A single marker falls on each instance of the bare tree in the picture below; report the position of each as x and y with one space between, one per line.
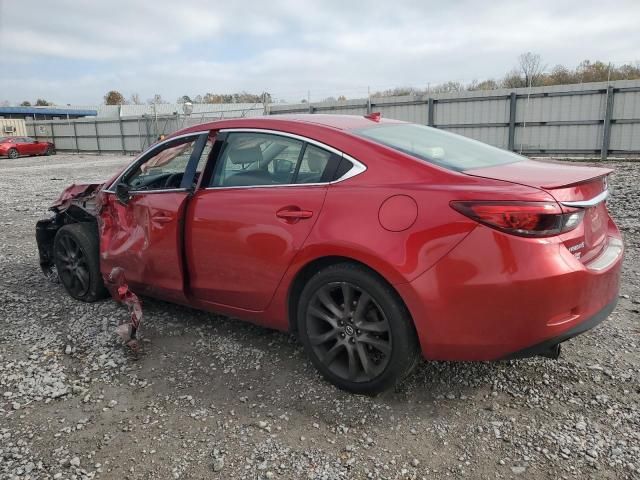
157 99
135 99
531 67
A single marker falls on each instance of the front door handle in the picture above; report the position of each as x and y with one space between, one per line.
161 218
293 214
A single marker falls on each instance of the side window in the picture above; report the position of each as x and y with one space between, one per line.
314 164
166 166
257 159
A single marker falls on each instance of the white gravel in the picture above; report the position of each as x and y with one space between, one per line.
211 397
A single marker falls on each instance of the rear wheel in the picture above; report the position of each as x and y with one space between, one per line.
77 259
356 330
13 154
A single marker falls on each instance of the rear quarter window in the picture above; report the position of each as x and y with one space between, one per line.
438 147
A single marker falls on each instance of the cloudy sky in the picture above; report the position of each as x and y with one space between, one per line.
74 51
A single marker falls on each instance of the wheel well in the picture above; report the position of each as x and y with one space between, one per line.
46 232
309 270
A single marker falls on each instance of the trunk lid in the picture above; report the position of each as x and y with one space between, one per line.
572 186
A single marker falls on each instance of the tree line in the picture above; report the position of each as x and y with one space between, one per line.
531 71
113 97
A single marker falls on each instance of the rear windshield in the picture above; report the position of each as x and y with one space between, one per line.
445 149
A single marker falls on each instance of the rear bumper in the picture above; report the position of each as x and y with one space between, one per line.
543 348
495 294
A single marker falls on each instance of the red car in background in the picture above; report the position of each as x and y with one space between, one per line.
14 147
373 240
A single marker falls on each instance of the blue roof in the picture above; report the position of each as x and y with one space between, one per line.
47 111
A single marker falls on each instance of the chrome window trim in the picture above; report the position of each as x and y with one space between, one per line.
357 168
148 150
601 197
160 190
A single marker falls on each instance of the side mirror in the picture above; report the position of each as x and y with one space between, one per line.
122 193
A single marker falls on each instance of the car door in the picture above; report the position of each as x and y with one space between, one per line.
28 146
21 146
142 216
244 229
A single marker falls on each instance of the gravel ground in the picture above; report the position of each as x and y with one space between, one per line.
213 397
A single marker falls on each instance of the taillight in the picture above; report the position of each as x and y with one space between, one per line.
526 219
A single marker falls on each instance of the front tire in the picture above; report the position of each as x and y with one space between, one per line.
13 154
77 259
356 330
50 151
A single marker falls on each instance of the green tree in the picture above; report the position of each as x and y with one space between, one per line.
26 103
41 102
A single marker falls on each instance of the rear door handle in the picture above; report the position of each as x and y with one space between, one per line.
293 214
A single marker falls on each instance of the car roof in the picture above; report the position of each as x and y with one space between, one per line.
341 122
338 122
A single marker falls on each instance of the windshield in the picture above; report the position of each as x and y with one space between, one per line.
4 139
445 149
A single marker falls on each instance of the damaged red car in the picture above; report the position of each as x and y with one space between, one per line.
375 241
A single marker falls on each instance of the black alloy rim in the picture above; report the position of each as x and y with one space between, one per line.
349 332
74 270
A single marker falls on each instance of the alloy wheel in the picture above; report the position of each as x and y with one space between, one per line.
74 270
348 331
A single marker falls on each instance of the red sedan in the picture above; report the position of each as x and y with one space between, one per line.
14 147
373 240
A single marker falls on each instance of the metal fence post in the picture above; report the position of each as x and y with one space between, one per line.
75 136
53 134
430 113
606 128
148 137
121 135
95 127
512 121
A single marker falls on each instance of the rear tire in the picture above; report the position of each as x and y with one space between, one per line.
13 154
356 329
77 258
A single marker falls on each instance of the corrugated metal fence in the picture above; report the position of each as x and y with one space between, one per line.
583 119
564 120
127 134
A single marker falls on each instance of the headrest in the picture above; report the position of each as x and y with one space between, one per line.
245 155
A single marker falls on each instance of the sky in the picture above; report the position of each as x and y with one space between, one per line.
73 52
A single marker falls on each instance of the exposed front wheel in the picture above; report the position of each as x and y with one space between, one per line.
13 154
356 330
50 151
77 259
